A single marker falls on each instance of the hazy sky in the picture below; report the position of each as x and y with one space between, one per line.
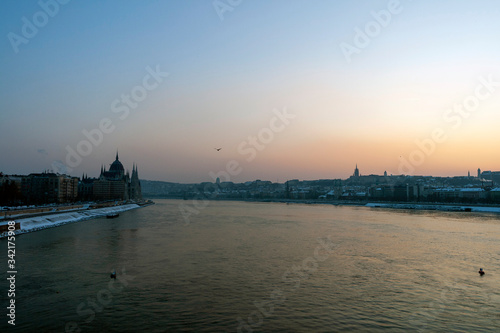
288 89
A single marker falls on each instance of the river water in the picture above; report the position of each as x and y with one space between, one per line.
260 267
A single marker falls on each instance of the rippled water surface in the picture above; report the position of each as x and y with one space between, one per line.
267 267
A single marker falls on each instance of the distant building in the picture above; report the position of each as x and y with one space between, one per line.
86 188
356 172
48 187
14 179
472 194
135 185
493 176
115 184
10 189
495 194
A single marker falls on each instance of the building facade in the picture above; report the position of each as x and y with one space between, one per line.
48 187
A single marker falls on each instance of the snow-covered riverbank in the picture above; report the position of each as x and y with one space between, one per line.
448 208
35 223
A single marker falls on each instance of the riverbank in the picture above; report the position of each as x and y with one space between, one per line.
441 207
448 207
477 208
54 219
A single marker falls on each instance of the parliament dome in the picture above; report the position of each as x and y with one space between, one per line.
117 166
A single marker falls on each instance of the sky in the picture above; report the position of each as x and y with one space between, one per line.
288 89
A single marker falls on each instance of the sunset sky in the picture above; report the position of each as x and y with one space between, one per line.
287 89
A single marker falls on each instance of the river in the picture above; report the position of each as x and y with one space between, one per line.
260 267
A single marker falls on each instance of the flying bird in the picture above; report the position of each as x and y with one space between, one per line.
217 149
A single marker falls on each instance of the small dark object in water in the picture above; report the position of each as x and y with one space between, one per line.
113 275
112 215
481 272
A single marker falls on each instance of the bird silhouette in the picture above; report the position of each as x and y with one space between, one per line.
217 149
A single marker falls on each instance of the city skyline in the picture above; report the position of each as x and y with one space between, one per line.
288 90
225 176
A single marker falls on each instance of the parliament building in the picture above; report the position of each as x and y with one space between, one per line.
115 184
